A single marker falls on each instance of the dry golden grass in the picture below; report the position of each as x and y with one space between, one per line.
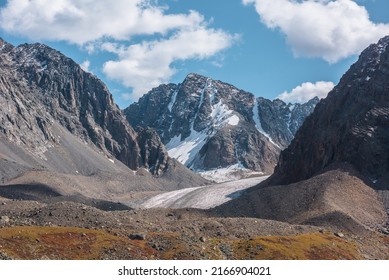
78 243
313 246
56 242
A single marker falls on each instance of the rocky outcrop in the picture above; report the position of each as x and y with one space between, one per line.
153 152
41 88
207 124
350 125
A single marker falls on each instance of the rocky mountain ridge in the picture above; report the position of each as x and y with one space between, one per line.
56 117
350 125
208 124
53 86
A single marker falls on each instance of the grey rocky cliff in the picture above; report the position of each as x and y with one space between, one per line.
153 152
41 89
208 124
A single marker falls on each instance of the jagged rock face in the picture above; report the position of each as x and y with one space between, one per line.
350 125
208 124
281 120
153 152
39 87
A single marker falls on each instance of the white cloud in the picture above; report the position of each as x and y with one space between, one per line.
85 65
148 64
83 21
111 26
332 30
126 96
307 91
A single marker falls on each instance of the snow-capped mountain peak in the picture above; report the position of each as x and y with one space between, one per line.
208 124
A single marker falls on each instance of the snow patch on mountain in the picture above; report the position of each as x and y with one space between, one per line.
202 93
258 124
233 120
171 104
221 116
185 150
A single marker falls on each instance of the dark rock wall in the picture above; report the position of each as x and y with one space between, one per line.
350 125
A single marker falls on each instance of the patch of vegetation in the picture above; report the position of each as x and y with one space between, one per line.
78 243
313 246
57 242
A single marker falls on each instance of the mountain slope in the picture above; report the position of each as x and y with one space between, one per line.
336 170
350 125
57 118
208 124
43 84
337 198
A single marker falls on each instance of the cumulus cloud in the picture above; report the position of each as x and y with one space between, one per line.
148 64
307 91
111 26
85 65
83 21
332 30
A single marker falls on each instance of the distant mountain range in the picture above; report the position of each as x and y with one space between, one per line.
211 125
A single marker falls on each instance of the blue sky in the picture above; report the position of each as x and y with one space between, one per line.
272 48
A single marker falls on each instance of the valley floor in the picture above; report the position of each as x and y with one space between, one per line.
58 229
67 230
